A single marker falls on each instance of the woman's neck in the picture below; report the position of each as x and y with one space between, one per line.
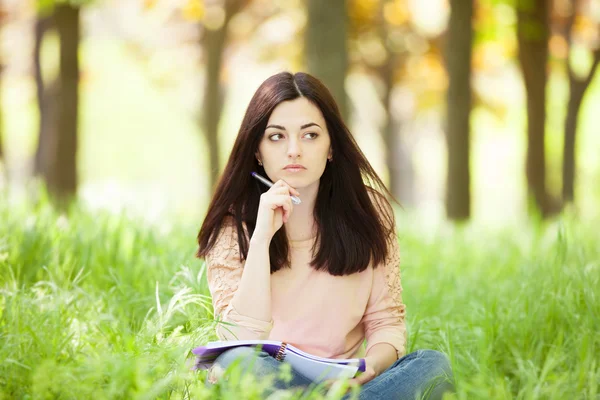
300 225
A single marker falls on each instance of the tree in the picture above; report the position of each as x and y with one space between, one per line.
325 46
58 149
392 25
2 156
213 43
532 36
578 85
382 41
46 94
391 129
458 59
1 118
67 22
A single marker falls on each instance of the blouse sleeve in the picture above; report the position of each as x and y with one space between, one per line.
224 271
384 318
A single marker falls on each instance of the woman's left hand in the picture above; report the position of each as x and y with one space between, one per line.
361 379
366 376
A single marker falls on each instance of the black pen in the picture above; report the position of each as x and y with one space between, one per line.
296 200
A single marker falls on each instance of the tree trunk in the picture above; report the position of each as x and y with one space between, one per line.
575 99
577 89
2 155
458 58
47 107
213 44
1 127
1 118
533 34
398 159
390 129
325 47
64 184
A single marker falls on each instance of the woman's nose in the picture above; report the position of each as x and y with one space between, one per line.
294 149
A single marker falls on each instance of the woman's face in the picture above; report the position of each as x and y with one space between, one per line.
296 134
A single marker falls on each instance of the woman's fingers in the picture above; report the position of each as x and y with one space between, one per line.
279 196
285 202
283 184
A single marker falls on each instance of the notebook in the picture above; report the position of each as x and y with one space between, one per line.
312 367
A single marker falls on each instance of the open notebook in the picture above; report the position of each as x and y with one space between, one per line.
312 367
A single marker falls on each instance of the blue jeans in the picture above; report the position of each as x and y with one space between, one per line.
423 374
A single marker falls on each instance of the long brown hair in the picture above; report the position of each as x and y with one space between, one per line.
353 230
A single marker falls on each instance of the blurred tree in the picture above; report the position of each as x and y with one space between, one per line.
458 106
576 25
325 46
57 149
395 158
67 22
47 106
532 35
2 17
382 41
219 33
1 116
1 124
215 18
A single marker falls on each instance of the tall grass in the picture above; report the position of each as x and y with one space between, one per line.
109 306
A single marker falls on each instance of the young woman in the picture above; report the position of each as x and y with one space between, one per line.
322 275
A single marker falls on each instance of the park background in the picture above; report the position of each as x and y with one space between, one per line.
480 116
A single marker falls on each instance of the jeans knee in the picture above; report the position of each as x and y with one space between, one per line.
249 359
226 358
439 362
441 378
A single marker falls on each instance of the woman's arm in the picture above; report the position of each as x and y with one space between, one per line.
253 296
385 317
381 357
241 290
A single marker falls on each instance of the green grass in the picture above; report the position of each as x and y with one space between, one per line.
95 305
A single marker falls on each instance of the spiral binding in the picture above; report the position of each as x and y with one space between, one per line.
281 352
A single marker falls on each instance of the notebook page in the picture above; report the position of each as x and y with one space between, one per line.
318 371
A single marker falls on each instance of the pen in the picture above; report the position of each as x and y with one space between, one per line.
295 199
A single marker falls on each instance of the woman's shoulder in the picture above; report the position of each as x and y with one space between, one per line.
226 246
228 228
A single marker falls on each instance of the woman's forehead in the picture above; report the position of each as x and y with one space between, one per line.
295 113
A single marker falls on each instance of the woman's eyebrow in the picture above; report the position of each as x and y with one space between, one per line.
302 127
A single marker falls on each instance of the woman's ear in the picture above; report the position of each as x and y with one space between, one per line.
257 155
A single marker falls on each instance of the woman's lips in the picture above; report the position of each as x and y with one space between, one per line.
294 169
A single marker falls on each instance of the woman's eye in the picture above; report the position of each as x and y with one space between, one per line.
278 136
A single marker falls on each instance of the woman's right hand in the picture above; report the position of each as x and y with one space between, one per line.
274 209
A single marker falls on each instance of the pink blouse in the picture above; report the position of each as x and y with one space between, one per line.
325 315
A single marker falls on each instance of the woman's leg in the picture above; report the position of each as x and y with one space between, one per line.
423 374
258 363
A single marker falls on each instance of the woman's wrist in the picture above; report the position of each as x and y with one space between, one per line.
381 357
260 239
372 362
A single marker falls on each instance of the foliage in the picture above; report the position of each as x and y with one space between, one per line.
46 7
108 306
